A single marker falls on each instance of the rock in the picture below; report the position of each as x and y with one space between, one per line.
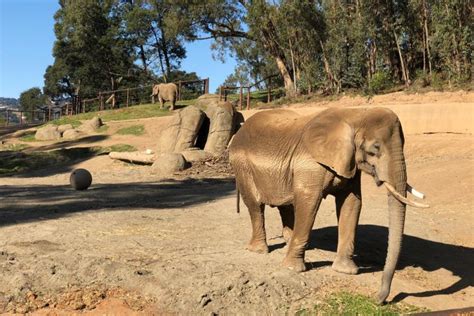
195 154
167 164
133 156
71 134
221 128
206 101
48 132
91 126
65 127
182 131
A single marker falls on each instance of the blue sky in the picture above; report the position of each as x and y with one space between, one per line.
26 43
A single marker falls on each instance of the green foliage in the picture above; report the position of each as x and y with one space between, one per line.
116 148
354 304
379 82
31 100
136 130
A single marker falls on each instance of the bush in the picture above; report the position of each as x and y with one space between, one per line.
381 80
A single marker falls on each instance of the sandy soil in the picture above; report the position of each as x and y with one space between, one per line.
137 243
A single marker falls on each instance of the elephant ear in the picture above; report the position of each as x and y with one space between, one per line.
330 141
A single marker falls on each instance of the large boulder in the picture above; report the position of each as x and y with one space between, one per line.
71 134
91 126
221 127
207 101
195 154
181 131
48 132
167 164
64 127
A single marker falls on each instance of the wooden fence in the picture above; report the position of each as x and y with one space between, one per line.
223 92
119 98
23 118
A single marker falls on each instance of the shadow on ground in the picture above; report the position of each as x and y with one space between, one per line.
42 202
371 245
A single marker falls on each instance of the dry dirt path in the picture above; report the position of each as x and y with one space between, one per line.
177 245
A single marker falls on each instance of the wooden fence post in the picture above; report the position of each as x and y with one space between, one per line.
206 86
21 117
84 106
220 93
101 102
248 98
269 95
241 97
8 117
128 97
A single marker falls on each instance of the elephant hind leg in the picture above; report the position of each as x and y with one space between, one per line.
258 242
287 214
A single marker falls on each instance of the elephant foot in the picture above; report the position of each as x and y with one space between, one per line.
296 265
345 265
258 247
287 233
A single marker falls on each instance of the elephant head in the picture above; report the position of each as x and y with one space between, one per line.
155 90
370 140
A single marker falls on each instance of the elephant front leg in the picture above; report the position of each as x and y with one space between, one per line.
348 206
162 103
306 208
287 215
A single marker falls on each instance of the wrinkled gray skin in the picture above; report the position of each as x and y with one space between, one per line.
165 92
292 162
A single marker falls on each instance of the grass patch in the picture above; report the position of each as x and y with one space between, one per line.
116 148
29 137
12 162
136 130
103 129
14 147
344 303
132 112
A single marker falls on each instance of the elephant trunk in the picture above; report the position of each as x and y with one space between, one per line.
396 209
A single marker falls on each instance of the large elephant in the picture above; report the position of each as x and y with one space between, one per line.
165 92
290 161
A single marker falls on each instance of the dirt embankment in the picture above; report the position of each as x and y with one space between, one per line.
135 242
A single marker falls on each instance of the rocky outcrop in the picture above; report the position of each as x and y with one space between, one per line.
167 164
90 126
182 131
65 127
48 132
71 134
221 127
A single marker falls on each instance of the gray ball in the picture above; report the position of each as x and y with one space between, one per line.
80 179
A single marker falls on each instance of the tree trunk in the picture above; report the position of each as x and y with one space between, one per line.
143 58
405 75
427 35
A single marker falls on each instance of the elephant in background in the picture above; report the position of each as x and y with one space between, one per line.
292 162
165 92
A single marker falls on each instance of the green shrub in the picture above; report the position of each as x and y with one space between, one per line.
381 80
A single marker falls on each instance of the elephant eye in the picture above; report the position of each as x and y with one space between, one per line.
374 149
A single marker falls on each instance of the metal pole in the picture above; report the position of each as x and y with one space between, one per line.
21 117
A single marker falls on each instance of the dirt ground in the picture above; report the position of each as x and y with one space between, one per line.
135 243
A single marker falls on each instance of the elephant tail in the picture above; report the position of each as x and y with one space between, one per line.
238 201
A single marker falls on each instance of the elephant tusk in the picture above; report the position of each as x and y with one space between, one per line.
415 192
403 199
